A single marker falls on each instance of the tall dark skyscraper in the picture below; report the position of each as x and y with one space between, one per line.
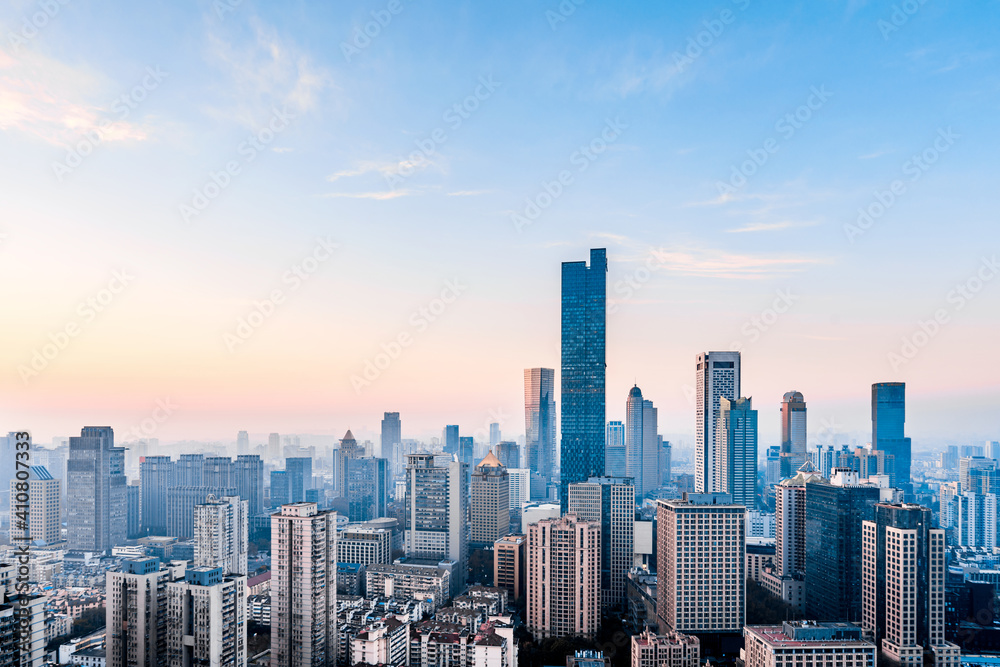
392 435
888 419
300 475
97 498
540 421
793 433
248 478
156 475
584 317
449 439
367 488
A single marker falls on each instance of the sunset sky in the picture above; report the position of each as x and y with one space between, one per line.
168 167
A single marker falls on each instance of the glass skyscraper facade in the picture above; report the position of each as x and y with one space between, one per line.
540 420
584 315
888 419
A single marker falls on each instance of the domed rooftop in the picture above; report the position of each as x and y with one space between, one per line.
635 392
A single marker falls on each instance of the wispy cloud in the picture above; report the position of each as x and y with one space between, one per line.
772 226
872 156
381 195
468 193
713 263
386 169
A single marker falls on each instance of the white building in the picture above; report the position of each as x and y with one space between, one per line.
672 649
385 642
221 528
365 546
717 376
806 644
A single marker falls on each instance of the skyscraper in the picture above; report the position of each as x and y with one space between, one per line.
392 435
97 503
221 531
641 443
248 478
436 522
136 614
242 443
367 488
666 455
584 306
793 433
273 446
490 503
717 377
40 508
903 570
218 471
303 587
788 583
615 453
564 577
609 502
888 419
509 454
299 470
189 470
349 449
540 421
736 449
156 474
207 619
449 439
494 434
181 503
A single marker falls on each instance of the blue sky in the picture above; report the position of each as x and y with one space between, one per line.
337 135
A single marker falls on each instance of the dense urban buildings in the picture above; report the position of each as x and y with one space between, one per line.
584 300
888 422
540 421
303 587
641 443
671 649
717 376
490 504
508 453
794 446
787 580
564 577
701 579
97 506
736 450
436 522
610 503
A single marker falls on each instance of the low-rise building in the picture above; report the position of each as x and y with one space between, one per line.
668 650
806 644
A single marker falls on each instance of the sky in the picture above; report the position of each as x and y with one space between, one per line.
295 216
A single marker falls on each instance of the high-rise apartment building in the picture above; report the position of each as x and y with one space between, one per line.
34 507
701 561
540 421
181 503
717 376
218 471
189 470
736 450
641 443
584 314
834 512
794 447
903 575
564 577
367 488
242 443
303 587
392 436
490 504
436 522
976 519
888 421
97 506
509 564
136 614
206 619
788 581
221 530
615 452
610 503
156 474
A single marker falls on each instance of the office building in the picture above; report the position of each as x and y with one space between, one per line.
610 503
273 446
349 449
903 575
717 376
34 507
181 502
467 453
584 301
303 587
509 564
508 453
248 478
490 503
97 505
564 577
280 488
834 513
136 613
495 435
436 525
299 472
641 443
156 474
807 644
133 492
888 421
392 436
449 439
207 619
364 546
367 492
736 450
671 649
242 443
221 532
189 470
665 463
615 452
540 421
793 433
773 470
787 581
701 560
970 469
